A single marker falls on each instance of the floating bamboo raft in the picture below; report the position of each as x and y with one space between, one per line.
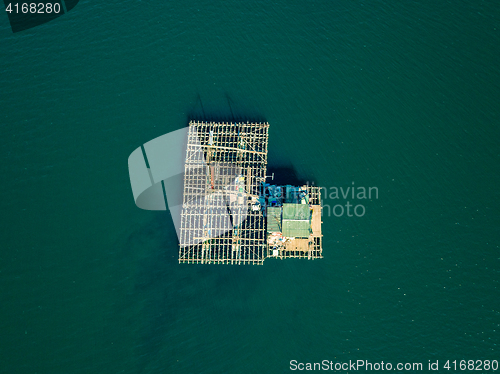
224 212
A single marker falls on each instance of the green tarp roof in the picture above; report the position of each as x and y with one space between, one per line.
296 221
274 219
296 211
296 229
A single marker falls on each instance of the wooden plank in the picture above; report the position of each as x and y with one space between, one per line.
316 220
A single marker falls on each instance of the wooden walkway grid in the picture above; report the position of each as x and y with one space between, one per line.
225 166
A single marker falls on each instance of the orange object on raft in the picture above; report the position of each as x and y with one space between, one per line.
212 172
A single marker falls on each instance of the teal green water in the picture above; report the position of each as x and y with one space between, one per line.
403 96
